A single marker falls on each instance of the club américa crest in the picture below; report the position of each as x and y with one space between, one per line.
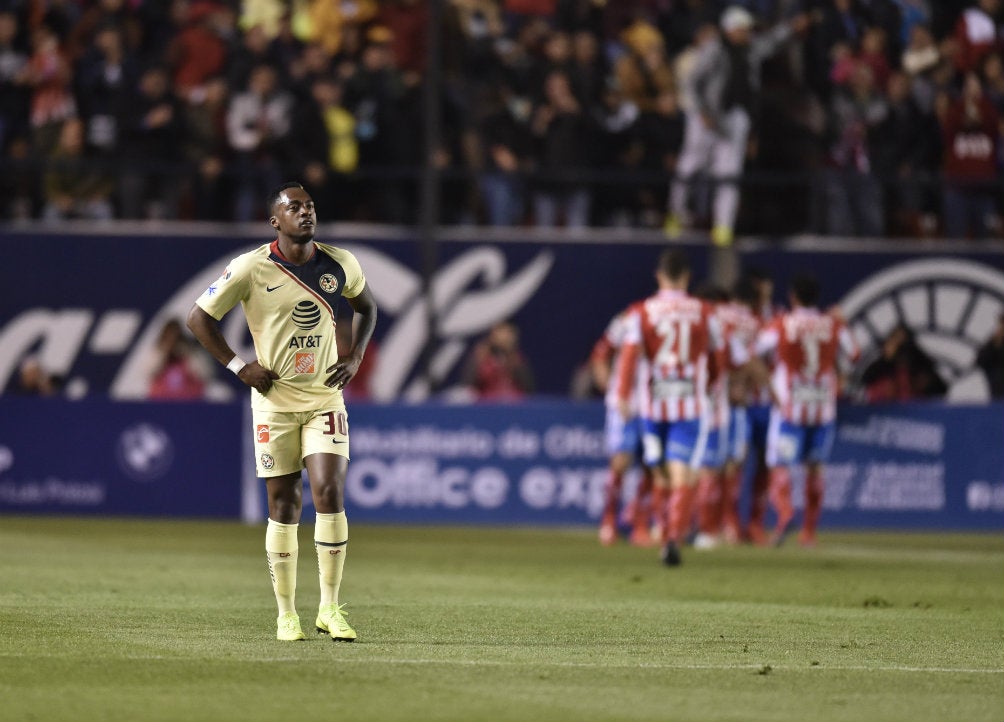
328 283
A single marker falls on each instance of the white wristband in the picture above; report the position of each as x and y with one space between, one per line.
236 364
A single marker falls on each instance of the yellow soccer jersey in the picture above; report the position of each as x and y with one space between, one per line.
291 313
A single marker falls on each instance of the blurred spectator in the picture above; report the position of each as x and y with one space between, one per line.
34 380
920 60
74 188
258 123
496 369
505 139
840 22
253 48
407 21
586 72
853 195
564 137
178 369
328 22
905 158
903 372
19 187
205 149
105 78
100 15
660 133
151 145
976 35
49 76
990 359
199 50
326 151
971 130
643 73
14 96
993 81
619 151
724 88
378 98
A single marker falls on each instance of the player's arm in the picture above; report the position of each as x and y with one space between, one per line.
600 363
206 330
363 325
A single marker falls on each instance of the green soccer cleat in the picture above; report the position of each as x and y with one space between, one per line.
288 628
331 620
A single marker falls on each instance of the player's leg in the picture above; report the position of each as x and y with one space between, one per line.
326 448
653 442
759 418
686 444
819 446
728 155
785 445
619 461
732 473
277 458
694 156
709 492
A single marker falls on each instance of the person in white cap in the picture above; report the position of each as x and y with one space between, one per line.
724 85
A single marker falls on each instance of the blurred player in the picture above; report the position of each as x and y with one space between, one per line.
674 332
710 476
809 346
740 326
623 437
758 411
289 290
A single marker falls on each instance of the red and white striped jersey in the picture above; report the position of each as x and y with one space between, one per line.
674 332
808 344
608 350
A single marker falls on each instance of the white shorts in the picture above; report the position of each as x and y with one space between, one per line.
282 439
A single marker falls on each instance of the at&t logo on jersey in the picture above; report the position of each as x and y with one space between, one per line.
306 315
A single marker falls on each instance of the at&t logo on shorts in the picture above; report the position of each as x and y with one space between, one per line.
267 462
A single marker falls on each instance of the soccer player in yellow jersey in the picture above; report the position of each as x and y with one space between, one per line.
289 290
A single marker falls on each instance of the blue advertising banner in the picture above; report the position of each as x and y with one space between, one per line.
911 466
90 305
112 458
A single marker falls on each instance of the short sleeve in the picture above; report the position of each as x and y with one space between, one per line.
232 287
355 281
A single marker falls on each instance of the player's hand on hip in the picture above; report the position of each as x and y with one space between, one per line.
342 371
258 377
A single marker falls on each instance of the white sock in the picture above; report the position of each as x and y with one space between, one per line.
282 549
331 536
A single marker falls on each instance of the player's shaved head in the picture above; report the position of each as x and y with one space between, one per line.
275 196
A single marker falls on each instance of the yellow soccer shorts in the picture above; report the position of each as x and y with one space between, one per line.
282 439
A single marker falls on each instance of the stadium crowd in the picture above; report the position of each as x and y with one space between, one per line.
882 116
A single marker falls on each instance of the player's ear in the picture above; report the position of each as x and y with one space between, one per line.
274 222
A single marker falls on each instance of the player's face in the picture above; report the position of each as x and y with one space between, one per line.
295 216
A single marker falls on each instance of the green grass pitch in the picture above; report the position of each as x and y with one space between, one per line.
168 620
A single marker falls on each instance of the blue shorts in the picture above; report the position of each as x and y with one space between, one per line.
789 443
684 441
716 449
623 436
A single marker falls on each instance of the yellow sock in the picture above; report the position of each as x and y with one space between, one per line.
281 548
331 536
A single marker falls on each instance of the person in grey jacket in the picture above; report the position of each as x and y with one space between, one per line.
723 87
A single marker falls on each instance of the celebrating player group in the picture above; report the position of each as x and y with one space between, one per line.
696 386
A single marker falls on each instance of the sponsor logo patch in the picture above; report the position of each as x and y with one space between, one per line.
306 315
261 431
267 462
328 283
304 363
